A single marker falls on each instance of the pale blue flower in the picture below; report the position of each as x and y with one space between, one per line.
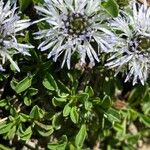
73 26
132 52
10 27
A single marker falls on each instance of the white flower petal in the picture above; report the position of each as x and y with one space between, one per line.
64 37
10 24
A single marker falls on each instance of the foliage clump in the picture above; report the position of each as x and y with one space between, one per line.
45 106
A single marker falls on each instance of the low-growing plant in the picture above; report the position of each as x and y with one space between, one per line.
74 102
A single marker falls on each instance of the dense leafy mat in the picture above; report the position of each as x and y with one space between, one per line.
46 107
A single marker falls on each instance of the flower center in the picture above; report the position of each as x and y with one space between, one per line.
143 43
140 43
76 23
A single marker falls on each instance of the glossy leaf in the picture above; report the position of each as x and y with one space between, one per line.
32 91
13 84
81 136
24 4
112 115
111 7
27 101
83 97
2 147
61 145
11 133
89 90
50 83
145 119
24 117
26 134
56 122
36 113
74 115
88 105
23 84
3 103
4 128
106 103
66 110
58 101
44 130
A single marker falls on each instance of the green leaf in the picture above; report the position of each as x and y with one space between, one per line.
132 114
11 133
32 91
111 7
109 86
49 82
45 133
135 95
80 137
118 127
56 122
27 101
61 145
23 117
112 115
106 103
38 1
145 119
66 110
3 103
63 88
44 130
36 113
63 95
70 77
14 65
4 128
13 111
132 139
122 3
71 146
26 134
13 84
89 90
2 147
83 97
57 101
88 105
24 4
2 77
23 84
74 115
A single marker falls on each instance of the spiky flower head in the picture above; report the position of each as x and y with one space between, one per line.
132 52
74 26
10 27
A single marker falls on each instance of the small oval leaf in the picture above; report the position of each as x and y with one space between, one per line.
23 84
80 137
111 7
74 115
36 113
49 82
66 110
3 103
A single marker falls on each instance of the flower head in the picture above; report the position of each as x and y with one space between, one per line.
132 52
74 26
10 26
